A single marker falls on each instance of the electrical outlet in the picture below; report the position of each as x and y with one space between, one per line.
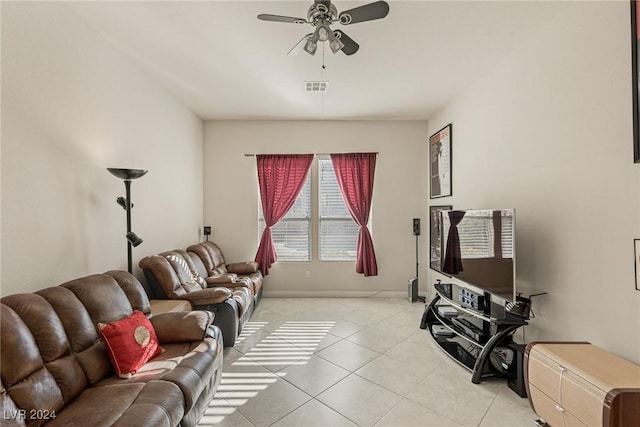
307 274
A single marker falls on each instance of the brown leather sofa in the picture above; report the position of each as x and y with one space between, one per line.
55 368
215 265
177 274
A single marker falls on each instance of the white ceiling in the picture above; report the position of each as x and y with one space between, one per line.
223 63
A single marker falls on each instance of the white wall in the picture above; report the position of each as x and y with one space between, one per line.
400 194
72 105
549 132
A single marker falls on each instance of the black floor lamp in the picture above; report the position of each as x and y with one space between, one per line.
127 175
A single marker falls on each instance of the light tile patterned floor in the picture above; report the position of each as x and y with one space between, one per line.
351 362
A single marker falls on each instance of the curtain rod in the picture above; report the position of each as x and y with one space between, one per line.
315 154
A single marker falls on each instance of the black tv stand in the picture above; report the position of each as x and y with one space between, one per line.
474 335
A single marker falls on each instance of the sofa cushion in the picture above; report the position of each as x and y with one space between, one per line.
160 306
83 337
130 343
186 271
174 272
24 373
131 287
211 257
222 279
189 365
182 326
246 267
208 296
243 296
94 291
156 403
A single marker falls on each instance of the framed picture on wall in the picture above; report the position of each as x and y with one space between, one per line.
435 238
636 255
440 163
635 39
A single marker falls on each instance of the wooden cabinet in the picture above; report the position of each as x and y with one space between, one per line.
579 384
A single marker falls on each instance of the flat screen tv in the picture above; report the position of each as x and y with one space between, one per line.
478 248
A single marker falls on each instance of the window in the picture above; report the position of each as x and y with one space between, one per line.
292 235
338 233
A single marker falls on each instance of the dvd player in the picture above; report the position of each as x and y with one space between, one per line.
441 331
470 330
447 311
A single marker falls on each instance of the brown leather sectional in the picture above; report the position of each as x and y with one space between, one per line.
213 259
55 369
212 265
201 276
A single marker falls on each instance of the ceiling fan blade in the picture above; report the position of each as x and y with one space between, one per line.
295 51
280 18
350 46
367 12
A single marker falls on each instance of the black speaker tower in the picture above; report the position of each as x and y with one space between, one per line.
413 283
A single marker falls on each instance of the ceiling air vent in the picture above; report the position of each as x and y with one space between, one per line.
316 86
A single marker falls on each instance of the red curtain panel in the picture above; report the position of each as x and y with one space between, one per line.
281 178
355 173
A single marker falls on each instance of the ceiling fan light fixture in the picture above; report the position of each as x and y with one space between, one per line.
312 42
335 43
310 46
323 33
336 46
321 15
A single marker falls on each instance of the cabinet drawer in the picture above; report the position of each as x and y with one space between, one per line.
582 399
571 421
544 373
545 407
594 387
551 412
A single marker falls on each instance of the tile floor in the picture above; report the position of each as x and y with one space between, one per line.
335 362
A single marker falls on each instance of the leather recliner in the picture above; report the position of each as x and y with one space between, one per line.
55 369
177 275
215 265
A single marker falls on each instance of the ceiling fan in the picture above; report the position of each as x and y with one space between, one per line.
321 14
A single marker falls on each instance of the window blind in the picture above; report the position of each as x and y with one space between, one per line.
338 233
292 235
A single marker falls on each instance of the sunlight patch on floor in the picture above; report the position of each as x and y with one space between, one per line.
293 343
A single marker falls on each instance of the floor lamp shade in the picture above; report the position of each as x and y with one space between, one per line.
127 173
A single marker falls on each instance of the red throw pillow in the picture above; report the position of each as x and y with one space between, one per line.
130 342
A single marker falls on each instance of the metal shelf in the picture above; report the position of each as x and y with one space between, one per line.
497 325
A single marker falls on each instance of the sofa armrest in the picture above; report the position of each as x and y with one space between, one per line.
246 267
240 283
207 296
235 285
221 279
181 327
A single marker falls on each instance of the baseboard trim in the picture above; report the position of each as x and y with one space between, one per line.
333 294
